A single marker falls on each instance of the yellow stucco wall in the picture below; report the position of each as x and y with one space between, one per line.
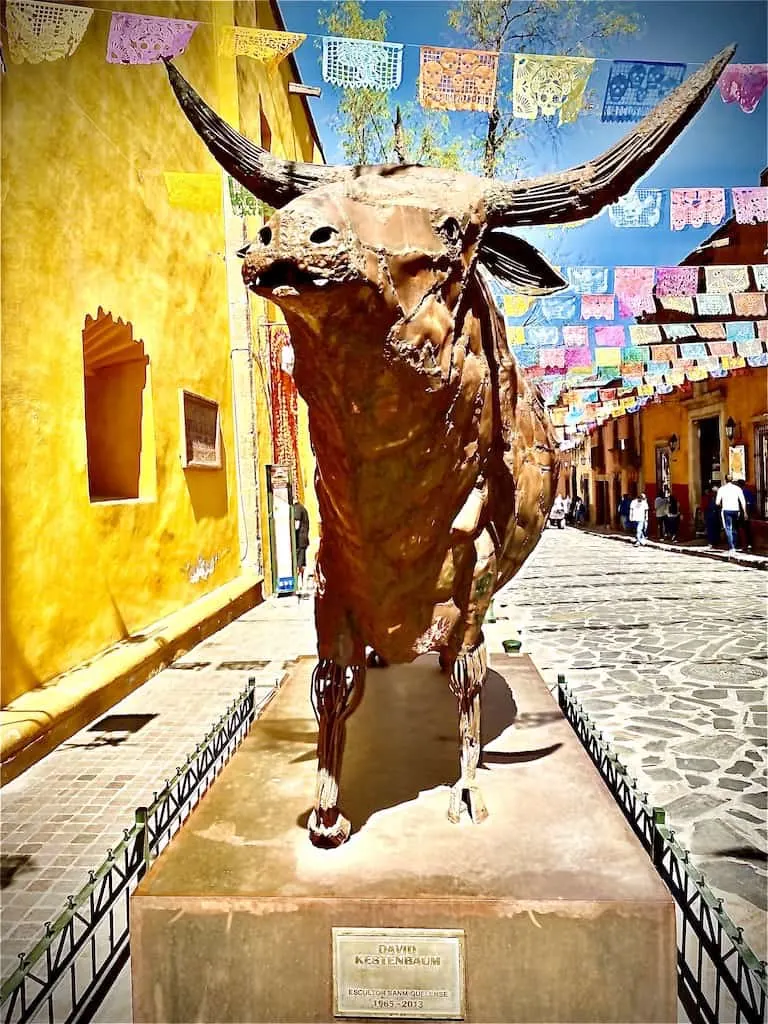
87 223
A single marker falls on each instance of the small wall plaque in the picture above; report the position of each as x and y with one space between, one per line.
392 973
200 432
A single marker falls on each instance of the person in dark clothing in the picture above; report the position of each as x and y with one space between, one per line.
745 520
711 516
301 526
624 504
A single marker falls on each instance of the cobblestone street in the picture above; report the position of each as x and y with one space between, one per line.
668 655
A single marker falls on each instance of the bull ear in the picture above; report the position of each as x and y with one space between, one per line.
518 264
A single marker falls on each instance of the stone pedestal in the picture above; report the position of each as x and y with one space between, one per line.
563 915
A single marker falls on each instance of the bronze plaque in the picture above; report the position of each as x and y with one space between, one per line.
200 423
398 972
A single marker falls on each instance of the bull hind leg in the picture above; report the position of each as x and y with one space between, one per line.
336 692
467 677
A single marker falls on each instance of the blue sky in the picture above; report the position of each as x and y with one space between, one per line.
723 147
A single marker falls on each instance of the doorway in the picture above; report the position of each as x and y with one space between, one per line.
602 503
709 451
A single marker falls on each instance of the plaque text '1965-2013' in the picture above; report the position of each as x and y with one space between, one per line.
398 972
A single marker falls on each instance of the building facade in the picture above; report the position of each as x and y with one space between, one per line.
135 374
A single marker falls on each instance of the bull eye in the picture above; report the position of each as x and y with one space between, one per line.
321 235
265 236
450 228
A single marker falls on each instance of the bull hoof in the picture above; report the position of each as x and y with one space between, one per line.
375 660
478 812
328 837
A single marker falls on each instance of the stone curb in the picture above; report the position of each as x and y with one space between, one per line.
740 559
39 720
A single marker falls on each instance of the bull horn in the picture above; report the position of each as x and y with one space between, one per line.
583 191
275 181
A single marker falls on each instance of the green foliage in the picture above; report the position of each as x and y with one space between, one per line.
366 121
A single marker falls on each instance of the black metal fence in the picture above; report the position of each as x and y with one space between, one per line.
64 978
719 978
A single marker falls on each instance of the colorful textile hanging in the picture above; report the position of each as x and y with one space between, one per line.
758 360
578 358
678 330
608 356
597 307
713 304
740 330
709 362
552 358
634 289
725 280
734 362
743 84
663 352
515 335
588 280
517 305
693 350
696 373
644 334
762 329
752 347
244 204
284 405
265 45
198 192
558 307
750 205
720 348
710 330
680 303
613 335
677 280
362 63
658 366
542 336
635 87
527 355
749 303
43 31
458 79
145 39
575 337
717 372
760 270
635 354
696 207
631 369
676 377
549 84
640 209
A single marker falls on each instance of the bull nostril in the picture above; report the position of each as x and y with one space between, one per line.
321 235
265 236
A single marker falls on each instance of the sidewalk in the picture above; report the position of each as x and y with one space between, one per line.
62 814
697 548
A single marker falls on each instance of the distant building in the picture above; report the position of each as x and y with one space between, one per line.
135 371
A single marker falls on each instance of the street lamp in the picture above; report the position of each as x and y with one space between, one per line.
730 428
674 442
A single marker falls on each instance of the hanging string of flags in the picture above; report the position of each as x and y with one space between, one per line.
545 85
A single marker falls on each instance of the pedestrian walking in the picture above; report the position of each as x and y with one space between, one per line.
661 510
557 513
673 518
711 516
730 501
638 516
579 511
301 526
624 504
745 521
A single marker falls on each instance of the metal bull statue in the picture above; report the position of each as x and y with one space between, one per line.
436 462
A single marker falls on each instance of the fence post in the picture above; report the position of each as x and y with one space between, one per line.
251 699
657 851
142 840
561 691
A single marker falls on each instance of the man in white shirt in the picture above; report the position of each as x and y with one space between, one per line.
638 514
730 501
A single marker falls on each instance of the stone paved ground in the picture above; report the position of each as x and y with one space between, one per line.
59 818
668 655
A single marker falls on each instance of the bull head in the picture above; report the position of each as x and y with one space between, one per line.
455 216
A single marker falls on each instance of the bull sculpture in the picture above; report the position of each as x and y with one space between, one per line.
436 462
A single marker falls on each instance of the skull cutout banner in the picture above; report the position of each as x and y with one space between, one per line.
635 87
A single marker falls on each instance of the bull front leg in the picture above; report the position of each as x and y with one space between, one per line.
466 680
337 689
